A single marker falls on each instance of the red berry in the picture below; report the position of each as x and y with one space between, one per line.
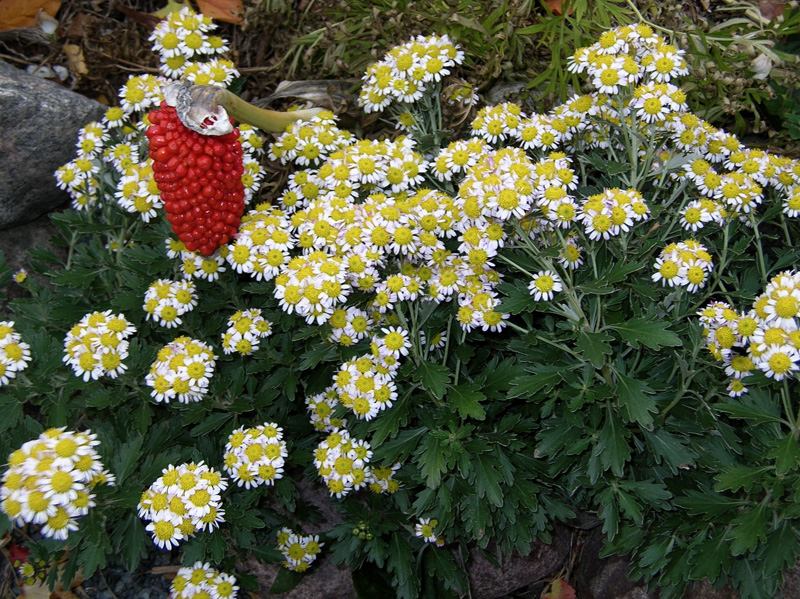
199 177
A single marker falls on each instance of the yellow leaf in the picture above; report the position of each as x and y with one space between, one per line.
229 11
560 589
171 7
75 60
22 13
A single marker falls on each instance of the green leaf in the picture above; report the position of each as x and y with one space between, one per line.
434 378
754 408
653 334
466 398
12 413
247 519
431 460
401 560
786 453
93 556
312 357
632 395
516 298
612 445
594 347
752 584
630 506
487 479
544 377
441 565
126 456
706 503
131 541
285 581
781 550
748 529
620 272
400 447
654 494
477 516
669 448
713 557
76 277
211 422
740 477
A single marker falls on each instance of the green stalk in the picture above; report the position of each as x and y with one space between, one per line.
266 120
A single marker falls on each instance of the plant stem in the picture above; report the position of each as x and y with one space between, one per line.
760 253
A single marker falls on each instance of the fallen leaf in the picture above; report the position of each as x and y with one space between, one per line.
771 8
78 26
560 589
555 6
171 7
229 11
40 590
143 18
18 552
22 13
168 571
75 60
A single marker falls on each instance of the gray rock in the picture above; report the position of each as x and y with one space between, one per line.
487 581
40 121
599 578
791 582
324 580
15 243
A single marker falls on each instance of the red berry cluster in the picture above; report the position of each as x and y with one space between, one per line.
200 180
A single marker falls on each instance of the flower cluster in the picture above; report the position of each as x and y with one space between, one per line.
182 371
201 581
137 191
183 37
320 407
766 338
79 176
349 325
97 345
300 551
628 55
166 301
407 71
182 501
245 331
424 530
307 143
365 385
381 479
612 212
255 456
14 352
50 480
343 462
684 264
262 245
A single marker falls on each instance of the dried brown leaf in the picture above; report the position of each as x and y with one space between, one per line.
75 60
771 8
555 6
78 26
22 13
229 11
